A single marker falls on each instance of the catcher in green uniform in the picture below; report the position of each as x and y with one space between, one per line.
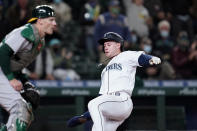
17 50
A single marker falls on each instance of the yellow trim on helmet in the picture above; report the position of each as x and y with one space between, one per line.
32 19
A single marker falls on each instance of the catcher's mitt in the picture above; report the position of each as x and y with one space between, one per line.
31 94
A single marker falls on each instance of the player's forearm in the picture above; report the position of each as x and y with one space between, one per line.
144 59
148 60
22 77
5 54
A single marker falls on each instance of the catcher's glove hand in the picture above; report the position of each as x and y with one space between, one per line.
31 94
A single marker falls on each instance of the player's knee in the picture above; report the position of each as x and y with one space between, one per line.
90 105
93 105
22 115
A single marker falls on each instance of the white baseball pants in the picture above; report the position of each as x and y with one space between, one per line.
110 111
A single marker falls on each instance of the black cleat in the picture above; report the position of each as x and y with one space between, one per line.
75 121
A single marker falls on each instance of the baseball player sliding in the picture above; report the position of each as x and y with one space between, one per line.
110 109
18 49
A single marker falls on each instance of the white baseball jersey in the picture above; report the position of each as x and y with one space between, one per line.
119 74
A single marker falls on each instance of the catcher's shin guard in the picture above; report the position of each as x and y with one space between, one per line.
20 117
21 125
3 127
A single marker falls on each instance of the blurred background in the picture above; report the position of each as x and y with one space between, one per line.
67 72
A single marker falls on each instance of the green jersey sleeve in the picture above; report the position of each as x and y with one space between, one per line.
5 53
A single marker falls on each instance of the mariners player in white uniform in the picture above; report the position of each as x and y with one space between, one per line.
114 105
18 49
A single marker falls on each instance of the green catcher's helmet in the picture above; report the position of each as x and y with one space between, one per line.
42 11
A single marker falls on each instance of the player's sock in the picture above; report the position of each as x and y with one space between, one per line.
78 120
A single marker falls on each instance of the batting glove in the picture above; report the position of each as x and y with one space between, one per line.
155 60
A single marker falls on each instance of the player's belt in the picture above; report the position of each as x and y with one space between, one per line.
118 93
115 93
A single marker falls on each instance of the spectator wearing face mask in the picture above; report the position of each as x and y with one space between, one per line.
63 61
111 21
134 42
63 12
163 72
182 57
146 45
164 42
89 15
138 16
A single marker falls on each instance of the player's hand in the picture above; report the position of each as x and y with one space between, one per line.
17 85
155 60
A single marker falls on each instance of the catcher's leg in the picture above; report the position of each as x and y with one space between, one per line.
20 117
20 114
3 127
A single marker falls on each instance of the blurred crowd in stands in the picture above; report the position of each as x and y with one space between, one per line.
165 28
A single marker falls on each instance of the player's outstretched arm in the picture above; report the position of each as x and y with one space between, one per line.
148 60
78 120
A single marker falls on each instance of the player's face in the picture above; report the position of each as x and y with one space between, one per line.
111 48
49 25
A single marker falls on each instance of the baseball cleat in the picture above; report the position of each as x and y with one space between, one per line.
76 120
